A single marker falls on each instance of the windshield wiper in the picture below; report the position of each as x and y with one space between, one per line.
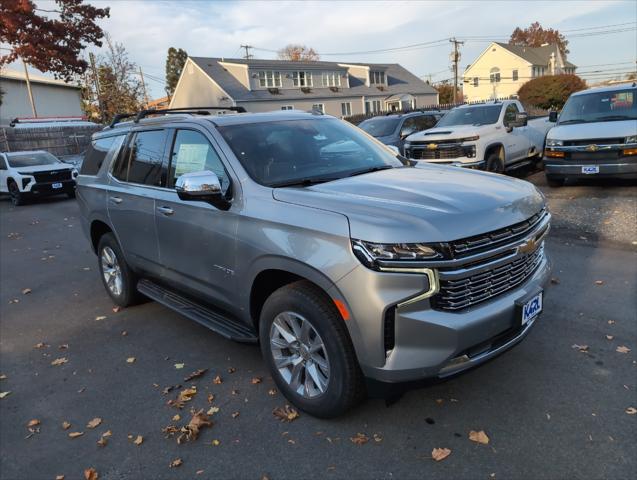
370 170
614 117
304 182
574 120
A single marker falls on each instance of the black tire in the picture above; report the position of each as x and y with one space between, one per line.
128 294
554 182
494 163
345 386
14 192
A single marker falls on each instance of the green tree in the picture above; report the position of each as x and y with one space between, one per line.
175 61
550 91
535 36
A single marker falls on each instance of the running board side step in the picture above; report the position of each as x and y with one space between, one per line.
215 321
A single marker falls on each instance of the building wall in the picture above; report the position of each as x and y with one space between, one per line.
240 72
495 56
50 100
196 89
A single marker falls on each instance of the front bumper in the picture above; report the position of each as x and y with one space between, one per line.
458 162
620 168
46 189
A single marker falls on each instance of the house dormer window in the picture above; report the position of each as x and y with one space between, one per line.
331 79
494 75
269 78
377 78
302 79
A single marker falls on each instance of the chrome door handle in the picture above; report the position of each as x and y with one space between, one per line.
116 200
165 210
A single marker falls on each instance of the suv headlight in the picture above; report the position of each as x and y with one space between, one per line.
552 142
631 139
469 139
369 252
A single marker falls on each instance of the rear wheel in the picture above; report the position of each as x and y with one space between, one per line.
494 163
307 347
118 279
554 182
16 196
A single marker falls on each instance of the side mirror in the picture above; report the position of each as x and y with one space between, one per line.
203 186
553 116
404 133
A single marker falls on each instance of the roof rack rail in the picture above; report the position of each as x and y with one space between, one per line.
166 111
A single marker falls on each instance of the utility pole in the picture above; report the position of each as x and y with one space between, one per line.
141 74
26 76
247 56
96 83
455 58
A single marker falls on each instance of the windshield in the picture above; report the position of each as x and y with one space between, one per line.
600 107
35 159
379 126
478 115
304 152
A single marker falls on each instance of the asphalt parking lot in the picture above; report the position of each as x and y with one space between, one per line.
557 406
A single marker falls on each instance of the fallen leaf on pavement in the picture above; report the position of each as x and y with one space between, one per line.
139 440
170 430
179 366
94 423
231 369
40 345
64 346
195 374
622 349
3 377
359 439
90 474
59 477
211 397
256 380
4 394
184 396
285 414
555 281
99 318
611 322
124 333
175 463
378 438
199 472
234 392
609 337
479 437
235 414
599 282
631 410
272 391
216 443
212 410
217 380
59 361
33 423
116 309
107 433
130 360
176 418
581 348
66 425
26 291
102 442
439 454
191 431
76 434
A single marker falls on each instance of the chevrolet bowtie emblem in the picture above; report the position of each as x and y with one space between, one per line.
432 146
592 148
528 247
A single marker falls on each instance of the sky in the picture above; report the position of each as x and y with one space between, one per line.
217 29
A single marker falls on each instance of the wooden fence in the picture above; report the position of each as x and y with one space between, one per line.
58 140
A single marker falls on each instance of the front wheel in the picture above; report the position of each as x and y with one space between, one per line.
118 279
494 163
14 192
307 347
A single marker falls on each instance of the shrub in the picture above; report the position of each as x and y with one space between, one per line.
550 91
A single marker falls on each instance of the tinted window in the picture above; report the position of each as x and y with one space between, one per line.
305 151
509 114
380 126
409 127
97 153
478 115
192 152
601 107
31 159
142 162
424 122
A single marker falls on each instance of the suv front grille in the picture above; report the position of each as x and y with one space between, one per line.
476 288
597 141
52 176
438 153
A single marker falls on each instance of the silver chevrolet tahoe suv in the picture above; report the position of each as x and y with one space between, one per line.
351 267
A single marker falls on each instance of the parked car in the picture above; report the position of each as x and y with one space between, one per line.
37 173
392 129
491 136
299 232
595 135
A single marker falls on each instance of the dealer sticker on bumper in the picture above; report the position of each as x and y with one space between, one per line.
590 169
532 308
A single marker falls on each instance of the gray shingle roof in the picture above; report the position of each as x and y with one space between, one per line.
398 78
535 55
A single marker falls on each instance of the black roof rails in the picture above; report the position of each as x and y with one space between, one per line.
166 111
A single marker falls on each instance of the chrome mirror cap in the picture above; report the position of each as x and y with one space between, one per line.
198 184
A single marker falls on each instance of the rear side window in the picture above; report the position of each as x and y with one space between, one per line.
98 152
142 162
192 152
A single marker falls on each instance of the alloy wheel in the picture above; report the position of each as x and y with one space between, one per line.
111 271
299 354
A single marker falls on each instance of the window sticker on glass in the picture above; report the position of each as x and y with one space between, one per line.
191 158
622 100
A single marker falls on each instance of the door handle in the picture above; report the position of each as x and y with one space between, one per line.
165 210
115 200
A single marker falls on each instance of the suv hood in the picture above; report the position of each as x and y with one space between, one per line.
595 130
44 168
428 203
447 133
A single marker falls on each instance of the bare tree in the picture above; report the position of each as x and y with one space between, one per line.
297 53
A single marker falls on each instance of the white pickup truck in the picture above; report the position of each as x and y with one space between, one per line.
491 136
